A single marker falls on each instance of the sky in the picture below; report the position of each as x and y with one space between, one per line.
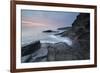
48 19
35 21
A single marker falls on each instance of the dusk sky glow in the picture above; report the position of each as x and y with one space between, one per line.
47 18
35 21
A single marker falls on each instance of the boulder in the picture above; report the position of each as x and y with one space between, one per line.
31 48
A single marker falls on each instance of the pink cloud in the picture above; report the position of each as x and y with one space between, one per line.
30 23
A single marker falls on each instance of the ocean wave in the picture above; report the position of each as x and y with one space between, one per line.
56 39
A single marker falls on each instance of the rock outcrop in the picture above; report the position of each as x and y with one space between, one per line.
80 32
49 31
31 48
79 50
54 52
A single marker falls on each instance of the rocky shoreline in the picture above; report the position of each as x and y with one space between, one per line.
79 50
52 52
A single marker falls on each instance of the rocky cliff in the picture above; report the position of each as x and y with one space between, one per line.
80 32
79 50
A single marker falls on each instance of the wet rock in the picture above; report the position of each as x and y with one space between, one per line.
61 52
39 55
80 32
51 53
26 58
79 50
49 31
31 48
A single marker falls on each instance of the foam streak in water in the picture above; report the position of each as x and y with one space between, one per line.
56 39
63 39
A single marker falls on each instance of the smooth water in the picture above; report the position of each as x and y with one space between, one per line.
48 37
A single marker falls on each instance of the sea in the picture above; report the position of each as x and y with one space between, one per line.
45 37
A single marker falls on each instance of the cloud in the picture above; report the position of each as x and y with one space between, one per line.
30 23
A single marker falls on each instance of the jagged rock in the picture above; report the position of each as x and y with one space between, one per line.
80 32
51 53
61 52
79 50
31 48
26 58
49 31
39 55
64 28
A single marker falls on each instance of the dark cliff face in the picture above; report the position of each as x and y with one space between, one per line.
80 32
80 26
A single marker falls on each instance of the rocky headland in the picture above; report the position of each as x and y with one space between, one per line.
79 50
